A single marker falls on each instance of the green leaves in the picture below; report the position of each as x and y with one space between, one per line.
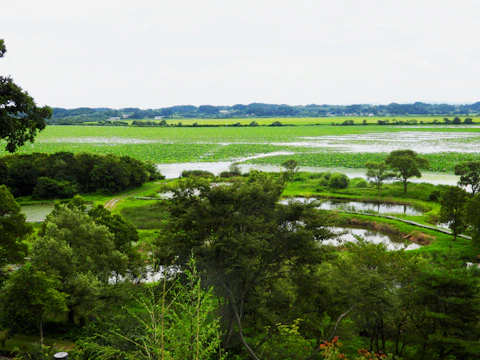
20 118
13 228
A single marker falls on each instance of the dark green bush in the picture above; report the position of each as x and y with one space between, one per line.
197 173
338 181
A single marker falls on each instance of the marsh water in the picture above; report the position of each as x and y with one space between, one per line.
172 171
367 207
37 212
392 242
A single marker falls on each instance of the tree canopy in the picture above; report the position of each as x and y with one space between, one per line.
243 239
20 118
469 175
13 228
406 164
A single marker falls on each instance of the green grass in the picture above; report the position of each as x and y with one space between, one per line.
358 120
211 144
144 214
20 340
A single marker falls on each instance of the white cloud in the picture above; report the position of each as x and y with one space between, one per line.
158 53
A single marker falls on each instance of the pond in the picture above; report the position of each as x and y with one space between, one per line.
367 207
392 242
37 212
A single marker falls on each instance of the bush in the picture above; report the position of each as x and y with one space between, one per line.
359 183
324 179
197 173
338 181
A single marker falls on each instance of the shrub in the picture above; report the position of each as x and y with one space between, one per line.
338 181
197 173
359 183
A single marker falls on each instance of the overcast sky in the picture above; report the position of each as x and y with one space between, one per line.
158 53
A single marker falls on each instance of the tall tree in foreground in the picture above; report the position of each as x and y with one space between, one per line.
20 118
406 164
13 228
28 297
244 241
81 253
448 301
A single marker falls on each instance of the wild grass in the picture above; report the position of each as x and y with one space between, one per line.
144 214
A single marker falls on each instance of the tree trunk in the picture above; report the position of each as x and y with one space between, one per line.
71 316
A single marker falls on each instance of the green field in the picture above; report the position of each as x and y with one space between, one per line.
305 121
318 146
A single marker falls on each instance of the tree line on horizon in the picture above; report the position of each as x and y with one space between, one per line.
62 115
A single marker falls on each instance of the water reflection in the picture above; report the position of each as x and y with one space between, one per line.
378 208
392 242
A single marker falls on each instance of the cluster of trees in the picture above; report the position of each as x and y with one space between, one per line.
64 174
455 121
263 286
73 258
61 115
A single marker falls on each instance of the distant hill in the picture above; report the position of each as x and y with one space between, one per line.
85 114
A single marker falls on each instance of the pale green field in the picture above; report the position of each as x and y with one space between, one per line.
320 146
308 121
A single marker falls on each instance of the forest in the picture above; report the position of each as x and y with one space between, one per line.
222 268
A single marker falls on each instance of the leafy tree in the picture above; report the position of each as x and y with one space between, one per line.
371 286
377 173
28 297
473 217
20 118
81 253
453 210
449 303
406 164
291 168
13 228
124 232
469 175
243 239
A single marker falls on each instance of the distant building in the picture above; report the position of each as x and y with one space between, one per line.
114 118
223 111
158 117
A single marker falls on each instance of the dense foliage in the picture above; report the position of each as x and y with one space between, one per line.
20 118
265 285
63 174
